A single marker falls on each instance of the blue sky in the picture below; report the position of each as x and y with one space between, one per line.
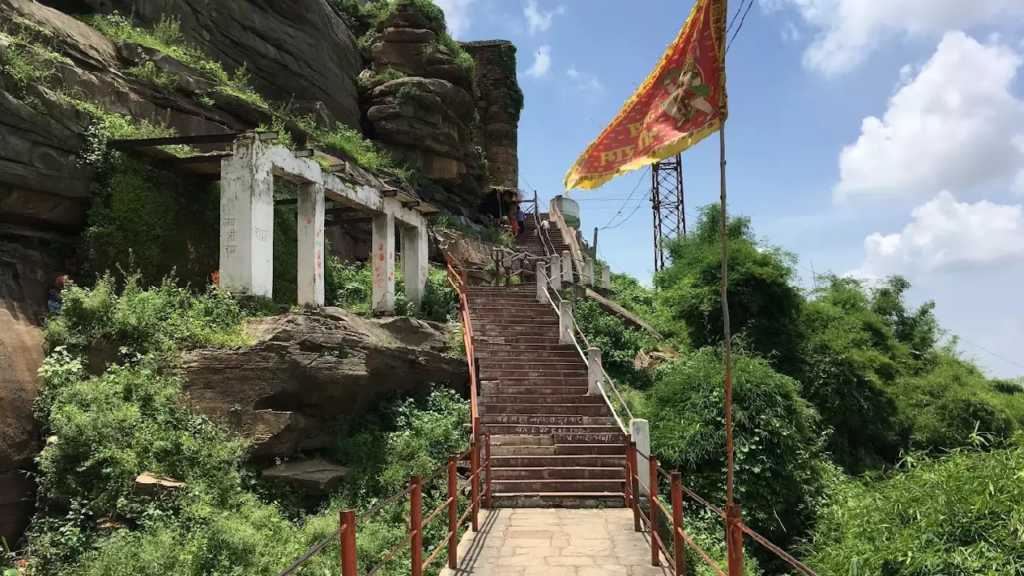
870 137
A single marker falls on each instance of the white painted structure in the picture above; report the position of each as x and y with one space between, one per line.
247 225
640 433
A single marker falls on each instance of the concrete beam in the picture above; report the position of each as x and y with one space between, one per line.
311 254
247 219
383 255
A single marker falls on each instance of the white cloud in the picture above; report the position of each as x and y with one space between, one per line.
541 62
456 15
538 20
952 127
789 32
945 234
584 81
850 29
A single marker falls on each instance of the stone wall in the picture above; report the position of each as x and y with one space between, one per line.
498 102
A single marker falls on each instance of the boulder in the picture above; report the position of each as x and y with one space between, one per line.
25 279
311 476
305 370
297 50
149 484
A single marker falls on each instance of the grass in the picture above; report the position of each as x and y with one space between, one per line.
148 72
495 236
166 37
408 93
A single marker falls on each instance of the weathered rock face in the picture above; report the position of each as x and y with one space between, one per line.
297 50
426 118
499 102
311 476
25 277
304 370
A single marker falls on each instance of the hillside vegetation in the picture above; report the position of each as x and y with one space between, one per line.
863 439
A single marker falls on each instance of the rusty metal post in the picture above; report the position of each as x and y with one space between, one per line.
677 523
416 524
734 539
653 490
629 478
348 543
453 513
487 469
634 480
474 485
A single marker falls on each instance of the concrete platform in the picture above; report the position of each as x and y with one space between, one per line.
556 542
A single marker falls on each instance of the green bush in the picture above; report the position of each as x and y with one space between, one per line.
140 321
956 515
619 344
947 406
780 473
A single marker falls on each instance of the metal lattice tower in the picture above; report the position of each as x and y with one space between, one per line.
668 206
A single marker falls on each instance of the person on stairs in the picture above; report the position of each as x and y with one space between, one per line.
520 220
513 222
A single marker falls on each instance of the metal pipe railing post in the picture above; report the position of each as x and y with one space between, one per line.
416 524
734 539
487 470
635 481
474 485
453 513
653 491
629 475
677 522
348 543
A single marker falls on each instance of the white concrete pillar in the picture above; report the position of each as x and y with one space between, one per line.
247 220
565 322
588 275
383 264
566 267
640 433
606 278
415 267
595 378
311 256
542 283
556 272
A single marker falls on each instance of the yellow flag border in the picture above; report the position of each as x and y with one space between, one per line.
592 181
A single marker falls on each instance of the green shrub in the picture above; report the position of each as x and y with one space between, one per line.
619 344
959 514
779 470
148 72
140 321
496 236
946 407
381 10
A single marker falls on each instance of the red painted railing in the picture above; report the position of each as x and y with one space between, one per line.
480 473
732 515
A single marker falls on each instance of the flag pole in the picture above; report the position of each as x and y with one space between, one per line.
725 327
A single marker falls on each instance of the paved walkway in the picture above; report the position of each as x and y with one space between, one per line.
555 542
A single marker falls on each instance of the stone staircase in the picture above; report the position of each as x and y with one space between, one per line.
552 445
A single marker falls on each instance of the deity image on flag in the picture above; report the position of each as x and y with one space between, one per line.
688 93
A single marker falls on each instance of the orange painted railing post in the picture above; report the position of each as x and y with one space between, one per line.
453 513
629 476
348 543
474 485
734 539
416 524
634 479
677 522
487 468
653 490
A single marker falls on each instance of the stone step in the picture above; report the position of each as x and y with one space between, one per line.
552 461
512 329
533 363
573 409
573 473
504 374
608 437
526 352
554 397
536 318
592 449
560 500
501 340
542 486
583 431
543 381
547 419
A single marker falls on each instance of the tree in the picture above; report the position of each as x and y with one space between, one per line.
918 329
764 306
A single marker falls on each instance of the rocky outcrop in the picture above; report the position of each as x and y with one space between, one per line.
424 119
499 103
148 484
315 476
297 51
305 370
25 278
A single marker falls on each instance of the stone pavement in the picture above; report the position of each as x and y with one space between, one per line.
556 542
